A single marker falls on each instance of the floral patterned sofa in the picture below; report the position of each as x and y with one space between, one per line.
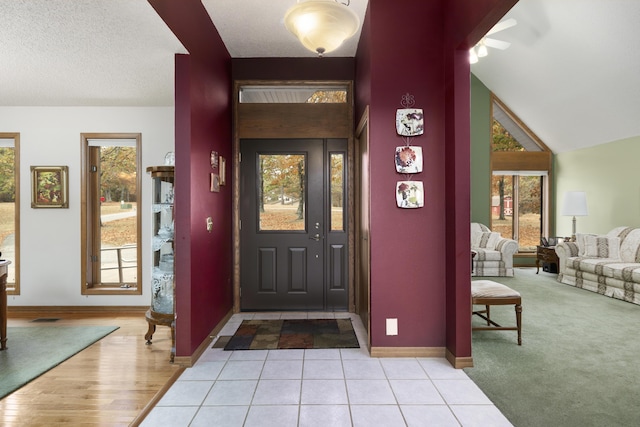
607 264
493 253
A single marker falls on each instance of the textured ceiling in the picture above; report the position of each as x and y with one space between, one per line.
255 28
85 52
570 74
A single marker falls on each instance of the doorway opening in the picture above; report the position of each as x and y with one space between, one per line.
294 237
303 130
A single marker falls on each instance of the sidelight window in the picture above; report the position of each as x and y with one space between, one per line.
336 185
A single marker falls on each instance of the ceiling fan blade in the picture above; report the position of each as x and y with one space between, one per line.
496 44
502 25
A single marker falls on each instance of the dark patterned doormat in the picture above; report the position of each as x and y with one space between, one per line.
291 334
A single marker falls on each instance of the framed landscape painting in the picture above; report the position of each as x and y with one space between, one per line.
49 186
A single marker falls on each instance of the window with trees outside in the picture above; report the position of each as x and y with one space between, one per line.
10 208
110 214
520 167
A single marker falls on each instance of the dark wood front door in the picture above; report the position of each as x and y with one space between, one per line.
293 236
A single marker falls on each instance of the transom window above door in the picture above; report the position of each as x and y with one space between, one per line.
293 94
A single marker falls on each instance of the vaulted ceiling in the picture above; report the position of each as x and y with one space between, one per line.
570 74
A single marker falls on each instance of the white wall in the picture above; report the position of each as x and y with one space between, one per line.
610 175
50 258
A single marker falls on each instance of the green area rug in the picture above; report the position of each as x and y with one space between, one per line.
579 363
33 350
291 334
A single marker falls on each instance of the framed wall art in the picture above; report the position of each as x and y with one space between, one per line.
223 171
215 183
214 159
409 194
409 159
409 121
49 186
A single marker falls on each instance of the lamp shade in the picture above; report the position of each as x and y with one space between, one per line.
321 26
575 204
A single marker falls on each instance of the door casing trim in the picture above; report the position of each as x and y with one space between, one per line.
273 126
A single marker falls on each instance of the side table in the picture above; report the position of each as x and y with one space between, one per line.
546 254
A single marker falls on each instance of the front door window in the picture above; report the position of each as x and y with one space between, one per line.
281 192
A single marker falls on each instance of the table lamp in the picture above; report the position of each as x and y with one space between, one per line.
575 204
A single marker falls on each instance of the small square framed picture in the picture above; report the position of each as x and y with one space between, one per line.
215 183
49 187
223 171
214 159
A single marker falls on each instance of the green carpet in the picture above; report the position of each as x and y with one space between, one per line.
579 363
33 350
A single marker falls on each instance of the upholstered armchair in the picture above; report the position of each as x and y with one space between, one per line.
493 253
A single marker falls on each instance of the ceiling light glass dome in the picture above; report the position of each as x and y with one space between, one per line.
321 26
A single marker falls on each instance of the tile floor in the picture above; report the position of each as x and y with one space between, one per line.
317 387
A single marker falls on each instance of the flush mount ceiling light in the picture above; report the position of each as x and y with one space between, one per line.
321 25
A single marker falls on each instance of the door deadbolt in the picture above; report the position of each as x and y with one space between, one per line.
315 237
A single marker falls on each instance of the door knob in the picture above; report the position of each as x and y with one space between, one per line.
315 237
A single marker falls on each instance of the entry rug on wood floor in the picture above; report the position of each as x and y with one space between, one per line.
291 334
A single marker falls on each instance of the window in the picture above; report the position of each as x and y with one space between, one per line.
282 187
520 166
110 214
336 184
293 94
10 207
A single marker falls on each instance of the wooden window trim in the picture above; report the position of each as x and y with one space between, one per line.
14 287
87 209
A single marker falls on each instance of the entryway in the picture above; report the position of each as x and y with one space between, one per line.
294 231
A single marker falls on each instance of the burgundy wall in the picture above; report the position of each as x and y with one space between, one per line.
203 123
420 258
465 24
293 68
403 55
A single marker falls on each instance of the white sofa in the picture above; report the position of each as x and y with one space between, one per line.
607 264
494 253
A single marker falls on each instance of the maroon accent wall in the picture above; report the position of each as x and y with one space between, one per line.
420 258
465 24
420 266
293 68
362 86
203 123
400 52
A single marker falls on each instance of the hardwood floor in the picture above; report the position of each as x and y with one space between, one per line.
110 383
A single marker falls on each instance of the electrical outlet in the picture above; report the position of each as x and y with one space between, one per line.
392 326
209 224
